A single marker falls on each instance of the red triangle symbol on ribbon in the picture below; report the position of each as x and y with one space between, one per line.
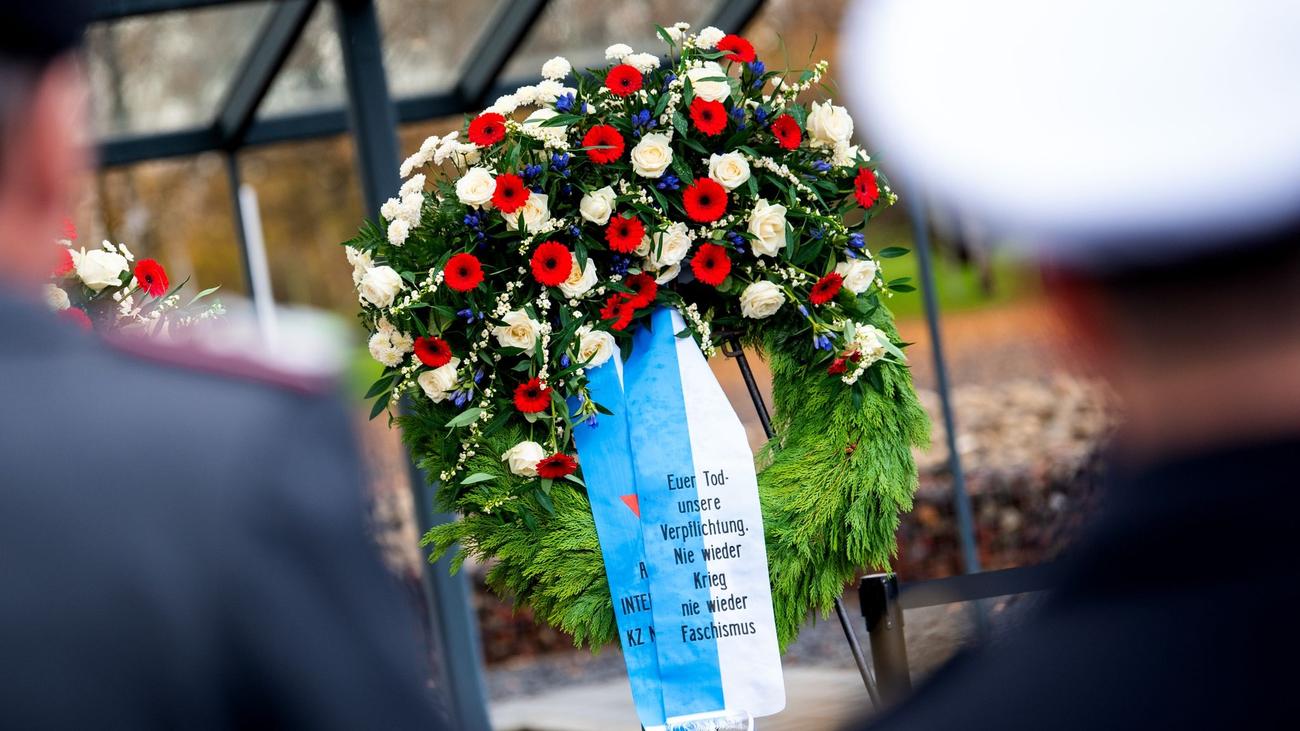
631 503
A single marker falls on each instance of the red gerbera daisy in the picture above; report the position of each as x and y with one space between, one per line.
532 397
644 289
487 129
552 263
511 194
556 466
619 308
65 266
787 131
711 264
433 352
151 277
837 366
78 317
623 80
705 200
826 288
607 144
624 233
865 188
709 117
463 272
742 51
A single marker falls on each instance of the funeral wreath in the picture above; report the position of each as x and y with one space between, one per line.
522 249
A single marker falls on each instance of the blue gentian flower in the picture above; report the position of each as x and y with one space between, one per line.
668 182
565 103
757 67
857 240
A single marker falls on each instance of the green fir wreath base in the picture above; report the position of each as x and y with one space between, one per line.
835 481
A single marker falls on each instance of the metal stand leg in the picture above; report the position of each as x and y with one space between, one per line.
731 349
879 596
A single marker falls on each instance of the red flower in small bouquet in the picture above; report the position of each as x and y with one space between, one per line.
742 51
709 117
510 194
433 352
623 80
787 132
624 233
606 144
487 129
151 277
826 288
705 201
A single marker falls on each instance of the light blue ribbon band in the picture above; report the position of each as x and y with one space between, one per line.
606 456
665 475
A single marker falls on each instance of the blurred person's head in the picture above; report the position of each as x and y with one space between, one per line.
1147 153
43 134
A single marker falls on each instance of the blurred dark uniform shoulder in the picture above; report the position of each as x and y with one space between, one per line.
183 544
1177 611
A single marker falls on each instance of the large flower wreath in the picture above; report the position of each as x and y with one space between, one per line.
699 182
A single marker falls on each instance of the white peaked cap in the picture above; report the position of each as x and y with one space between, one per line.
1070 127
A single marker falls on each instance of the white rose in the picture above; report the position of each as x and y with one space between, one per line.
580 280
535 211
439 382
643 62
379 286
519 331
557 68
761 299
642 248
829 125
858 274
668 274
398 230
710 91
98 268
767 224
523 458
475 188
652 155
597 205
709 37
730 170
673 245
595 347
56 298
618 52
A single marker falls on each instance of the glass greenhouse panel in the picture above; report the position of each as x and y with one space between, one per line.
169 71
427 42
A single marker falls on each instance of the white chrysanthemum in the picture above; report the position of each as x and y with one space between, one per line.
361 262
709 37
527 95
618 52
677 31
504 104
398 231
410 208
643 62
414 185
389 345
557 68
391 209
548 90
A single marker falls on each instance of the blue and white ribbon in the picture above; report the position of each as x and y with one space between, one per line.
703 532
